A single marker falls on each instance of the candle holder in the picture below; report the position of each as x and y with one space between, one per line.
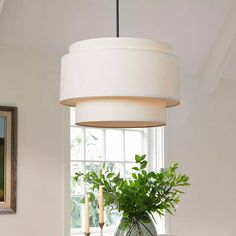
101 227
87 234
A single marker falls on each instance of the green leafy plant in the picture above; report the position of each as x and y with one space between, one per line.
141 195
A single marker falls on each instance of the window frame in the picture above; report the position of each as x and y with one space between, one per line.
154 148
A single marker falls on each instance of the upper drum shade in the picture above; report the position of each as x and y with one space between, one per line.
120 82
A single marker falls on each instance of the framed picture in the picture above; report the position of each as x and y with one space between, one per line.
8 151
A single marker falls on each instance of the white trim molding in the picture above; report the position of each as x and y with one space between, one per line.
66 173
220 54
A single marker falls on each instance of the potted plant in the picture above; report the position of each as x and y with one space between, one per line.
138 197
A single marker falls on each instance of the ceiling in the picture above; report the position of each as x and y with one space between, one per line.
192 27
230 71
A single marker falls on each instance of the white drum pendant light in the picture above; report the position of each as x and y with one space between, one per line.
120 82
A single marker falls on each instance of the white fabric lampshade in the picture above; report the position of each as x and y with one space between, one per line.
120 82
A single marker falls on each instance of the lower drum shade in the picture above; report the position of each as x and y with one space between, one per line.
120 112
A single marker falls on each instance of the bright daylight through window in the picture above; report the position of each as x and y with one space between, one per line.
91 147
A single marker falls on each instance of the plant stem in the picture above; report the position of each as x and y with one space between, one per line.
139 229
146 227
130 230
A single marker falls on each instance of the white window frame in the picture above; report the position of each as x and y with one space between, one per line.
154 148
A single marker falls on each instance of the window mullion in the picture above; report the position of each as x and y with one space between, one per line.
149 148
124 147
84 153
104 145
160 147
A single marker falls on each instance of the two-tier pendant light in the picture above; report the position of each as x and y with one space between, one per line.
120 82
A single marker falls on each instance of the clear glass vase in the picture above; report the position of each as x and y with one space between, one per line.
137 227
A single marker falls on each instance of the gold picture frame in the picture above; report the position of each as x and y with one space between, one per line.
8 153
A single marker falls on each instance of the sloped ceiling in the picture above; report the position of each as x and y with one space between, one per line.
1 5
230 71
190 26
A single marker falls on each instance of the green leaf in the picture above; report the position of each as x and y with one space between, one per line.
134 176
135 168
143 165
91 197
82 200
94 137
110 175
138 158
143 157
144 172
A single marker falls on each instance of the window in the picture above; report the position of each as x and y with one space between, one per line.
91 147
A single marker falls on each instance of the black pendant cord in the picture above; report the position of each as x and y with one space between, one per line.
117 18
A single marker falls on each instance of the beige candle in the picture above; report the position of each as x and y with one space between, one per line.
101 206
87 214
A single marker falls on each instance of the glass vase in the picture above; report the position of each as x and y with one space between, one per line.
137 227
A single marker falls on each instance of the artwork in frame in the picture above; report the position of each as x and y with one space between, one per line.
8 152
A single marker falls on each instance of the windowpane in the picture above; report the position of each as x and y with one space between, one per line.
133 144
94 215
117 168
112 217
114 145
129 170
94 144
77 188
92 166
90 148
75 212
77 143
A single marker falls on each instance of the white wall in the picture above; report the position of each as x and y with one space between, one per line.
30 81
201 136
